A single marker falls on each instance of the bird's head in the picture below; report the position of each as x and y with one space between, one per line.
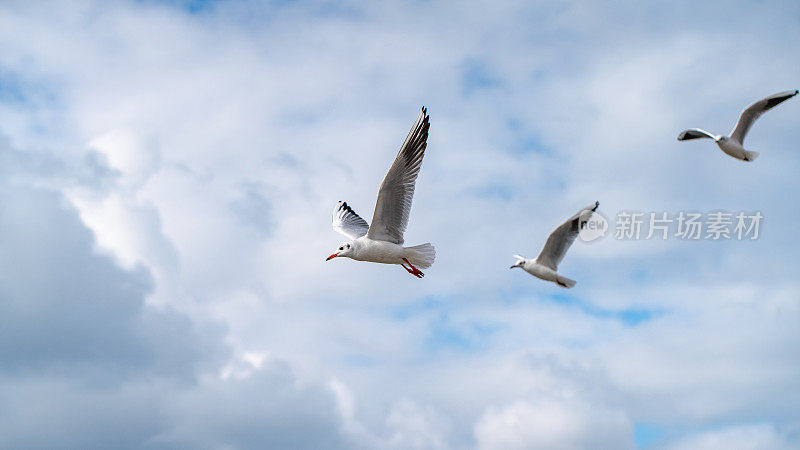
344 250
520 261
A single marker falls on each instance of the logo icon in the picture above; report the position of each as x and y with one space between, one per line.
594 228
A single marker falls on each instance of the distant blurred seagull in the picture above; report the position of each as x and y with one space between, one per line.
382 242
546 264
732 145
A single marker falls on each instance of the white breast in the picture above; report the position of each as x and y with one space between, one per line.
732 148
367 249
540 271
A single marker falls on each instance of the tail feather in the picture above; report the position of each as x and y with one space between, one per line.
565 282
421 256
750 155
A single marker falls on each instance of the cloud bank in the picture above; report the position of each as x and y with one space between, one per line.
168 172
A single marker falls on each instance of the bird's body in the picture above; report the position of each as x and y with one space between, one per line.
542 272
370 250
545 266
382 241
735 149
733 145
383 252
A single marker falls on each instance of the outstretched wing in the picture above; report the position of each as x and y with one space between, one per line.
394 198
562 238
695 133
347 222
754 111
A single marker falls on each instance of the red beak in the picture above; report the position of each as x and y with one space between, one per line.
331 257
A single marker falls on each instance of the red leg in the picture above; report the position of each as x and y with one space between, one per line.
416 272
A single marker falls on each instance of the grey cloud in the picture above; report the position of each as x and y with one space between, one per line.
254 209
65 307
88 170
268 409
87 364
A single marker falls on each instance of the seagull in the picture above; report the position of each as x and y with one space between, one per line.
382 241
733 144
545 266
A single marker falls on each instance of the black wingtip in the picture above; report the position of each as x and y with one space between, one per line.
778 100
596 205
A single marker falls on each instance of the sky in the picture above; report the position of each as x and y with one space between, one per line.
168 171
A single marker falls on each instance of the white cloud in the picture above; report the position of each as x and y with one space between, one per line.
550 424
416 427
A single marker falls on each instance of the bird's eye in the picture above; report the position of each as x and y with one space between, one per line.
340 248
348 245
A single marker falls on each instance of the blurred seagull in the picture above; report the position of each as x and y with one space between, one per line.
733 144
546 264
382 242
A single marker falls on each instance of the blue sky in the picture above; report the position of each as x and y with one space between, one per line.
169 170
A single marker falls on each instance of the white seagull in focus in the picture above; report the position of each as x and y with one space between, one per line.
382 241
733 144
545 266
